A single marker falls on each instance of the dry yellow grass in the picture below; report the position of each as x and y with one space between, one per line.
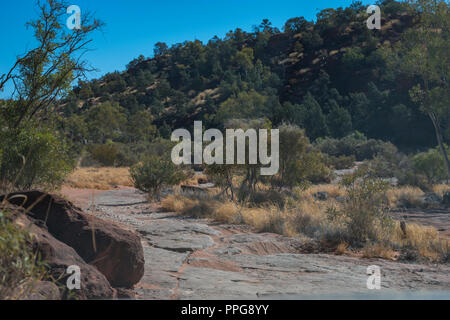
440 189
99 178
263 219
226 213
378 250
404 195
341 248
426 240
333 190
176 203
411 195
308 217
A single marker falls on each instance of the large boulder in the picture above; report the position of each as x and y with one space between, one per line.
59 256
116 252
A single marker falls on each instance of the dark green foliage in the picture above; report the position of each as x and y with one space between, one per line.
312 118
339 122
105 154
430 164
355 144
33 157
341 162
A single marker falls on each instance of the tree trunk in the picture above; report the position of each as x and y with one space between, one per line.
437 130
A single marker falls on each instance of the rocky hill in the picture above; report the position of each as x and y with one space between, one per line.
329 76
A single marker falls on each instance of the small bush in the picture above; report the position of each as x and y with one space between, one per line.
341 162
316 170
430 164
306 222
365 210
105 154
155 172
299 162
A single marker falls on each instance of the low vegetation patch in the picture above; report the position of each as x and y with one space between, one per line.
353 219
19 266
99 178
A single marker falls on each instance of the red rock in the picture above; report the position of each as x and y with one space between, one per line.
59 256
116 252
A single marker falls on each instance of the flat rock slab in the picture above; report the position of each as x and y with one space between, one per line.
182 242
164 260
178 235
176 226
153 294
159 266
206 283
125 197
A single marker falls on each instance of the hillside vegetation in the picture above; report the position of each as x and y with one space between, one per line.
330 77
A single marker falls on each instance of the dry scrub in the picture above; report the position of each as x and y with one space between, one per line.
99 178
404 197
304 216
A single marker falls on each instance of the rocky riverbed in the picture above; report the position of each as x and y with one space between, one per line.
197 259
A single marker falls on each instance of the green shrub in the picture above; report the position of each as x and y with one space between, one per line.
355 144
33 157
315 168
341 162
105 154
18 264
364 213
155 172
430 164
293 147
299 162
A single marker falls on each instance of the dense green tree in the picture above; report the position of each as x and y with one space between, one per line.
296 25
160 49
312 118
423 54
140 127
339 122
32 154
245 105
105 121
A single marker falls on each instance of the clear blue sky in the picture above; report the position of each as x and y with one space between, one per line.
134 26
